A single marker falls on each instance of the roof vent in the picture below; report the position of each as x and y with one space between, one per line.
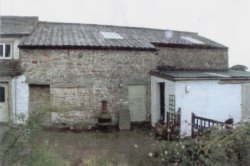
192 40
168 34
111 35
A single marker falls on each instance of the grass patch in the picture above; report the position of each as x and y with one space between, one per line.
18 149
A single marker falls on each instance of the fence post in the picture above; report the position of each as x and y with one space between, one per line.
192 123
179 122
168 126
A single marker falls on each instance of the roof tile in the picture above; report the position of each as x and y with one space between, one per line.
16 25
88 35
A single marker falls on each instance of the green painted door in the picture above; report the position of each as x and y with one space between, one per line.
137 102
4 114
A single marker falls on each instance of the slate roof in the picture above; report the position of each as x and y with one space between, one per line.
49 34
176 75
16 25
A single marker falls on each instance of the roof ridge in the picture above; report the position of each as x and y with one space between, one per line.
10 16
117 26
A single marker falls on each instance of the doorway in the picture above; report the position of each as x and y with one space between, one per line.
4 113
39 96
162 101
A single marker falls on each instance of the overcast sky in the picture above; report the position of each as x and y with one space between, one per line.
225 21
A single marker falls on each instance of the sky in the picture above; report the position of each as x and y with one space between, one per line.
224 21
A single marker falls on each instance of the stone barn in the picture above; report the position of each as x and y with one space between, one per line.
80 65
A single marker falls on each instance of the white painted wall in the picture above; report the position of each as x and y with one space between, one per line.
155 97
20 98
208 99
205 98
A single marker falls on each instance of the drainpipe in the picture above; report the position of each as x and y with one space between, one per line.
15 98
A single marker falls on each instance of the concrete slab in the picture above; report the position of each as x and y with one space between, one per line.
124 120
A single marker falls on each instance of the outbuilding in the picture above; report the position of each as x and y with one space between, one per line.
217 95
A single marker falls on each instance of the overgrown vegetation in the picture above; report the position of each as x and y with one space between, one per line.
17 145
227 147
224 147
101 161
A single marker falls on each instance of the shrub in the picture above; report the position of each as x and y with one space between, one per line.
220 147
18 148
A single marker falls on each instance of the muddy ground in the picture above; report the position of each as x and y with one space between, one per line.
123 148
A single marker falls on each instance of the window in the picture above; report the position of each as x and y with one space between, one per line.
111 35
5 51
192 40
1 51
2 94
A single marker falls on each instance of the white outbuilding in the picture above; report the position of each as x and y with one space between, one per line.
217 95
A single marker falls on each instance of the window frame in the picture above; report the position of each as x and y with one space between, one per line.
4 49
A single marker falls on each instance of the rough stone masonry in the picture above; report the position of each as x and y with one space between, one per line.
81 78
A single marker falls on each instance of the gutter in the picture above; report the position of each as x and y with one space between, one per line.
89 47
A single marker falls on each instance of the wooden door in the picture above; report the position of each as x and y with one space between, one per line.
137 102
246 101
4 113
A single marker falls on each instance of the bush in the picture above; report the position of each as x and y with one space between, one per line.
220 147
18 148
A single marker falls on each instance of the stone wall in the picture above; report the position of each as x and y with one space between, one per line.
194 58
39 96
81 79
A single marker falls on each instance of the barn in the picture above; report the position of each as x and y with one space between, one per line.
79 66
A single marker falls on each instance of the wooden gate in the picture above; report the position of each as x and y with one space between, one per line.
201 125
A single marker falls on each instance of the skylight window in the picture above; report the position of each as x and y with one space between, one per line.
192 40
111 35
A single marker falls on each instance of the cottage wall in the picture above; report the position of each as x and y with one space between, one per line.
208 99
81 79
20 99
